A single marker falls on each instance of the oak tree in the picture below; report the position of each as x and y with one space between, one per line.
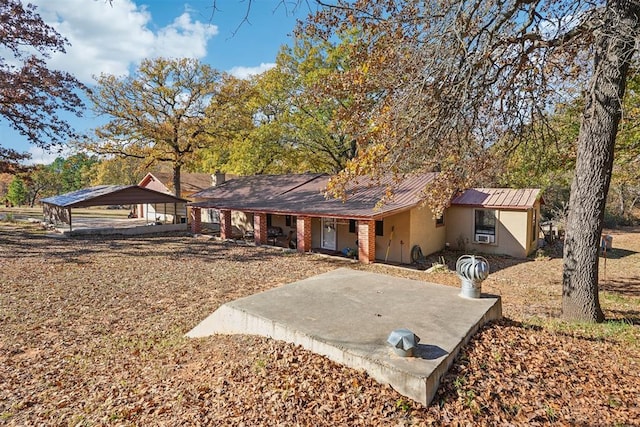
32 96
545 159
10 160
271 144
5 180
41 181
235 147
625 179
116 170
161 113
314 118
295 128
548 158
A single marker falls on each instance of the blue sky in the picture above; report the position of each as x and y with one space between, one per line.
113 39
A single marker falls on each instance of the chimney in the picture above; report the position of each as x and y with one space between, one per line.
217 178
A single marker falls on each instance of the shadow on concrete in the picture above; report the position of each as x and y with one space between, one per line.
429 352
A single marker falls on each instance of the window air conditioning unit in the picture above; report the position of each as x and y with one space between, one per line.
485 238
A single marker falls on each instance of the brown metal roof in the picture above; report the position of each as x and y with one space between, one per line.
506 198
304 195
249 189
189 182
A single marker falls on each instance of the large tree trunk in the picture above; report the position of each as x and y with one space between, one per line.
177 169
613 51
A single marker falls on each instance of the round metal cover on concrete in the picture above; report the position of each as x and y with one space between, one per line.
403 341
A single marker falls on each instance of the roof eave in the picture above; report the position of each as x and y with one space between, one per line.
319 214
502 207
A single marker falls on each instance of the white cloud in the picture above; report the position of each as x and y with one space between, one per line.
246 72
110 38
44 157
183 34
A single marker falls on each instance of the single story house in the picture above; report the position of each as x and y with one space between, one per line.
500 221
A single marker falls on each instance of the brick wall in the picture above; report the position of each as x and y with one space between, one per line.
225 224
303 233
196 221
260 228
367 241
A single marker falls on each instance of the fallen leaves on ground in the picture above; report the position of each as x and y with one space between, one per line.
92 333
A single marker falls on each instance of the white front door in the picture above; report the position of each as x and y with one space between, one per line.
329 233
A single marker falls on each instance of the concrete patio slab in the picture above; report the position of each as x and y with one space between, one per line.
117 226
347 316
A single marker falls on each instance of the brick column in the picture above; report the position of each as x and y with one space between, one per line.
196 221
303 233
225 224
367 241
260 228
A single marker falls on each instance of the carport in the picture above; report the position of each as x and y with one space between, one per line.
58 208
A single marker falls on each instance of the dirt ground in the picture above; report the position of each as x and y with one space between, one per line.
92 333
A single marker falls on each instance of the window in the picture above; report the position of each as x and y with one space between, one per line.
269 220
485 226
379 228
214 216
440 221
352 226
291 222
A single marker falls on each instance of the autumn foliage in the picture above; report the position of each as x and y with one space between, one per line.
31 95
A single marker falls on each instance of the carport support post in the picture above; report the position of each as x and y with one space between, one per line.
260 228
367 241
303 233
225 224
70 226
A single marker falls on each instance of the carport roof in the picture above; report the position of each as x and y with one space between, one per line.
103 195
